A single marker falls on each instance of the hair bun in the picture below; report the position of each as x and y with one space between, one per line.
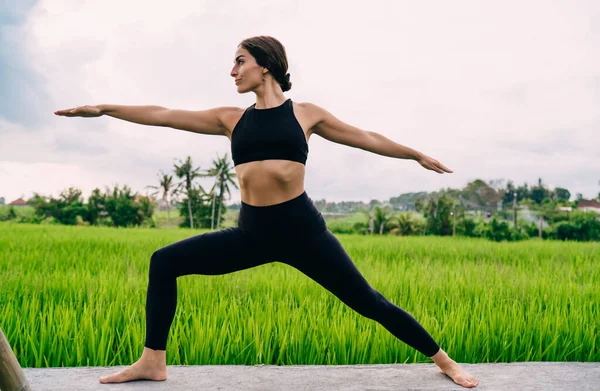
287 77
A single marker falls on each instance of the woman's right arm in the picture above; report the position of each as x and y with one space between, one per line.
209 121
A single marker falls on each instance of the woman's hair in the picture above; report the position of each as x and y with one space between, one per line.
270 53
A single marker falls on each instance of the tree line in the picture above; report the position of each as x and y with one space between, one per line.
480 209
120 207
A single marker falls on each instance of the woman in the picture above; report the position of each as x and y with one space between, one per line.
277 219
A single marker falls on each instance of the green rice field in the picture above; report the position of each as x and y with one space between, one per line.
75 296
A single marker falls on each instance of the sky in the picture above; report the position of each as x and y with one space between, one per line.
493 90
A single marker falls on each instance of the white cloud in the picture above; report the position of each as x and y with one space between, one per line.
503 90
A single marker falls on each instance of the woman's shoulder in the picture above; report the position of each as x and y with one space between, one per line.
309 107
306 105
230 116
310 110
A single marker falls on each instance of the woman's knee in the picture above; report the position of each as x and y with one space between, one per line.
159 263
374 305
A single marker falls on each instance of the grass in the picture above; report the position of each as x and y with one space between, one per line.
75 296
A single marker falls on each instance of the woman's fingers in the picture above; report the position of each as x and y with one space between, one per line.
442 169
80 111
439 167
431 166
436 166
446 169
66 111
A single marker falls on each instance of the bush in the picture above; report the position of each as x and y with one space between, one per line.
498 230
405 224
555 216
344 226
565 231
583 226
533 231
9 215
518 234
30 219
466 227
201 205
481 229
360 227
49 221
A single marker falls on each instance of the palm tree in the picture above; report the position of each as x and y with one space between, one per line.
382 217
221 170
185 171
406 226
379 217
370 216
167 187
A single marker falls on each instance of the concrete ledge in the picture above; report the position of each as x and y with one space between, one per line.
513 376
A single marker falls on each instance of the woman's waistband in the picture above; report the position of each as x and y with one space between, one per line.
299 200
298 213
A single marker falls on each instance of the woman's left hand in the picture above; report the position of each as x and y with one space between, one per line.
432 164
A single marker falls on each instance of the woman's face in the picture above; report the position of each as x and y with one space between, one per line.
246 73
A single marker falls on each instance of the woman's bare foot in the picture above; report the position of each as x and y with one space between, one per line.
459 375
151 366
454 371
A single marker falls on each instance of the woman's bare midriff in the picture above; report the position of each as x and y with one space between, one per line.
270 182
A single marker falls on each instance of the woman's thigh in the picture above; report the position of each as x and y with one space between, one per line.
326 262
216 252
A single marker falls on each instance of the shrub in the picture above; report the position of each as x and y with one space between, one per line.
583 226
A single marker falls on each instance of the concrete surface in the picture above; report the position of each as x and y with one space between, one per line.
512 376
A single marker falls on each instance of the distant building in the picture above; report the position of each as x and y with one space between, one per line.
18 202
589 205
565 208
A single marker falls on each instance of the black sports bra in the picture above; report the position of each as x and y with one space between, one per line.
273 133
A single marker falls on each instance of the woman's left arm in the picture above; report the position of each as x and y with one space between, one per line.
332 129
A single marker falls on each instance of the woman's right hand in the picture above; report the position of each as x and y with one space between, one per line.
81 111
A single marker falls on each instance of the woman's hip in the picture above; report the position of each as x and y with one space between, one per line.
298 216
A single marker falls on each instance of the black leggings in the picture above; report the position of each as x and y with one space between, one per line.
292 232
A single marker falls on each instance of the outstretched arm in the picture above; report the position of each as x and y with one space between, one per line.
332 129
203 121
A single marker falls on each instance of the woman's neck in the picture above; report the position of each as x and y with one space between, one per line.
270 96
